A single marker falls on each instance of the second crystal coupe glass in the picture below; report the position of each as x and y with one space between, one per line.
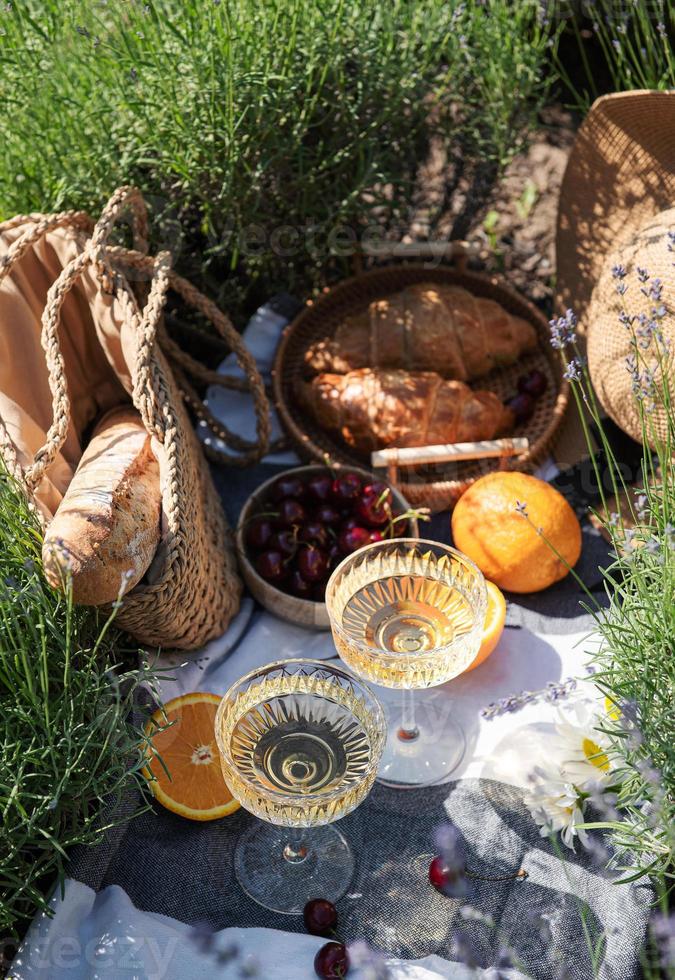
409 614
300 742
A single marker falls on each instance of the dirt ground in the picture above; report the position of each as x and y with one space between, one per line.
510 220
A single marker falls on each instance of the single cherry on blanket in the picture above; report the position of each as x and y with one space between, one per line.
332 961
446 878
320 917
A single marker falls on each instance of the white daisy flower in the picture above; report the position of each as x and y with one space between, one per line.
581 753
581 747
555 805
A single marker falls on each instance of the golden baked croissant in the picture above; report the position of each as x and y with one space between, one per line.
375 409
426 327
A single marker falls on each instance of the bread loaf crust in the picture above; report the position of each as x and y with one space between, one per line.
107 527
376 409
425 327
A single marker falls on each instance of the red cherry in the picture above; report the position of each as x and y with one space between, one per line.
522 407
332 962
335 556
258 533
312 563
320 917
287 486
327 514
375 536
353 538
289 512
349 523
534 384
313 532
298 586
319 486
270 565
446 879
346 488
378 488
285 541
374 508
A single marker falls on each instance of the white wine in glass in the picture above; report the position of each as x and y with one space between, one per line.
300 742
409 614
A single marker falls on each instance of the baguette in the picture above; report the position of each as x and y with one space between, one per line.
107 527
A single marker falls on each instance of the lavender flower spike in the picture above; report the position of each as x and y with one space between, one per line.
573 370
553 692
563 330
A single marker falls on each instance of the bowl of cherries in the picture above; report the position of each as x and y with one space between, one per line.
296 528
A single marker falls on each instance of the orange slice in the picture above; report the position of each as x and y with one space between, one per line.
494 624
194 786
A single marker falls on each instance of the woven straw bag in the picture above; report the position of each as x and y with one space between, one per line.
195 589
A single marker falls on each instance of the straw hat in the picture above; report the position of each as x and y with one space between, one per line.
615 210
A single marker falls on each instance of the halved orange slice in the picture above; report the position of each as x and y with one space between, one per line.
182 733
495 618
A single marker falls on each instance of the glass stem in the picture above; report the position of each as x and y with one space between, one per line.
296 849
408 730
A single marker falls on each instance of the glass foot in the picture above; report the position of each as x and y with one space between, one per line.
429 752
282 868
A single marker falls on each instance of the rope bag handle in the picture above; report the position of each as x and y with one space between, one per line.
147 394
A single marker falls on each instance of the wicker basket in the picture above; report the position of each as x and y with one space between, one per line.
436 486
195 590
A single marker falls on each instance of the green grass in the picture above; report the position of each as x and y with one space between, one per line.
273 132
68 744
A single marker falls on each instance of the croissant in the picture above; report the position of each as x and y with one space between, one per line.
426 327
375 409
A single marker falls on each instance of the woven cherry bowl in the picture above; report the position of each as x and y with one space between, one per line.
435 486
301 612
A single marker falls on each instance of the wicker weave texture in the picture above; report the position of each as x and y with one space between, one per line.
196 589
436 487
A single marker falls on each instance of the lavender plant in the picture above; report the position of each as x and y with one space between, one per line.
631 45
69 745
276 134
635 662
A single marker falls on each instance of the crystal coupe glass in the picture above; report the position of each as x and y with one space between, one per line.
300 742
409 614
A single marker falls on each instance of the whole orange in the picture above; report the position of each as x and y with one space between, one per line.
512 525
